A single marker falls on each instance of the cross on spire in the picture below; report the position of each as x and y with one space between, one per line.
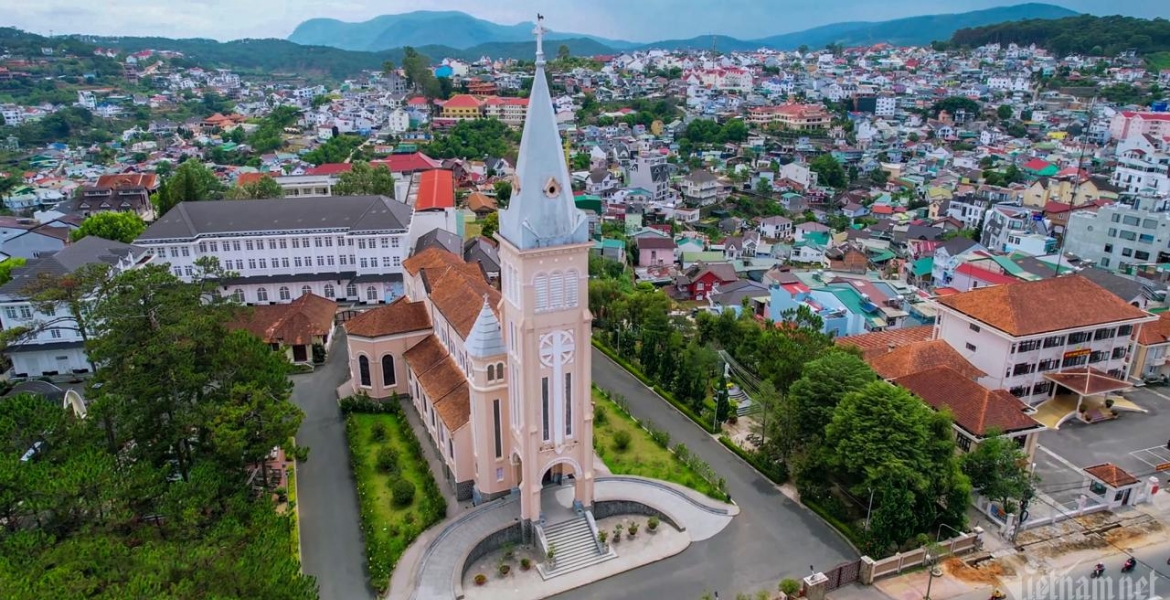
539 32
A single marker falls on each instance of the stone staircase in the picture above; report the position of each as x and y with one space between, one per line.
575 542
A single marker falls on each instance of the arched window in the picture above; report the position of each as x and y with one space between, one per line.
238 295
388 378
306 290
329 290
261 295
285 294
499 371
491 372
540 282
364 370
371 293
351 291
556 290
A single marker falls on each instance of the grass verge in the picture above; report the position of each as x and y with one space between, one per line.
683 408
642 456
389 527
841 527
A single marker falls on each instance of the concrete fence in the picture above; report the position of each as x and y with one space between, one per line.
873 569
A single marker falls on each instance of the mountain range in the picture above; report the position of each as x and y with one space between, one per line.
461 31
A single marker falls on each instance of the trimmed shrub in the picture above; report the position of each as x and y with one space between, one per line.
652 524
402 491
600 416
789 586
480 579
621 440
378 432
386 460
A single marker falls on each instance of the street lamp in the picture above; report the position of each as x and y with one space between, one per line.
929 560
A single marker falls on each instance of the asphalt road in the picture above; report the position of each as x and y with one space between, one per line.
772 537
331 540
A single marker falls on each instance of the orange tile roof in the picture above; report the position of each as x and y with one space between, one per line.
441 380
480 202
920 356
246 178
1033 307
425 354
400 316
462 101
294 324
974 408
456 295
455 408
436 190
1158 332
121 180
880 341
434 258
1113 475
1088 381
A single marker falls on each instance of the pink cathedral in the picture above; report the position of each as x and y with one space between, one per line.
501 378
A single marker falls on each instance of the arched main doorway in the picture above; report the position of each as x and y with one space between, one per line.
559 494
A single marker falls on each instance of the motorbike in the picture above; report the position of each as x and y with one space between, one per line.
1097 571
1128 566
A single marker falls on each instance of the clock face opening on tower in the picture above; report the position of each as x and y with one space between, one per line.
552 189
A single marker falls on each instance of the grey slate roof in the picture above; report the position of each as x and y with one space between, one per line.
439 238
90 249
485 339
1126 289
189 220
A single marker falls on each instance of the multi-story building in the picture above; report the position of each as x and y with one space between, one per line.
701 188
885 106
1130 123
1117 236
1143 167
54 344
1001 222
651 173
1004 83
350 248
1020 332
462 107
791 116
126 192
296 186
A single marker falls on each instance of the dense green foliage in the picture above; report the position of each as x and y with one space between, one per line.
191 182
829 171
6 267
269 135
998 469
702 132
265 187
954 104
365 180
1082 34
475 140
123 227
148 496
336 149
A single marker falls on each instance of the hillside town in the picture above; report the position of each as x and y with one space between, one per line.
832 314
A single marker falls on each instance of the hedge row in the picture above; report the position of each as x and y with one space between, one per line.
682 407
363 404
776 472
841 527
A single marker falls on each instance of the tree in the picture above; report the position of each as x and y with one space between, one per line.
1004 112
563 52
192 182
122 227
822 384
879 176
418 72
265 187
388 66
998 469
336 149
884 439
829 171
6 267
490 224
365 180
503 190
580 161
722 400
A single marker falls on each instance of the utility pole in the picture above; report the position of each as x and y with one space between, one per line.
869 509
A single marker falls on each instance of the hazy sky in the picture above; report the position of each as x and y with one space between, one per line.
635 20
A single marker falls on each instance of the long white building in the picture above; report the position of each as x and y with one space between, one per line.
345 248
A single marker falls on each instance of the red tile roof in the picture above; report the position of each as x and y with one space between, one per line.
1033 307
247 178
123 180
408 163
975 409
297 323
880 342
436 190
400 316
1157 332
1088 381
330 169
1037 164
1113 475
462 101
975 272
920 356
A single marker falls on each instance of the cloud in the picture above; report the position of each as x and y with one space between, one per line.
638 20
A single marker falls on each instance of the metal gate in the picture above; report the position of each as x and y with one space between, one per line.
843 574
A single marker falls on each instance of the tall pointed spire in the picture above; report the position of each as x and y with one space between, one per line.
542 211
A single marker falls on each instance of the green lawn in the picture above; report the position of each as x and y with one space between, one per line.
292 508
1158 61
389 529
643 457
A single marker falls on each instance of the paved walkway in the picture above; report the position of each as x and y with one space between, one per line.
429 569
332 549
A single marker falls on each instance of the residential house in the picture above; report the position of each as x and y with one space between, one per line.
775 227
950 256
302 330
127 192
701 279
1150 350
701 188
656 251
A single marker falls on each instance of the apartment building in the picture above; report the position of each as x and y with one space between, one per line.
295 186
55 346
1117 236
1129 123
701 188
651 173
1143 166
1019 333
349 248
